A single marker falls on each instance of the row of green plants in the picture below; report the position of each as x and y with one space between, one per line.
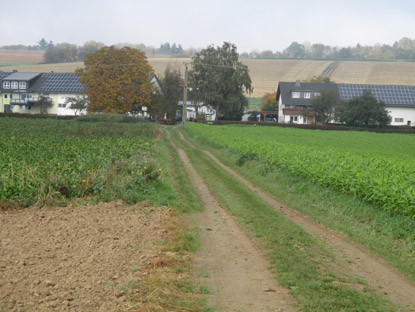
361 164
53 161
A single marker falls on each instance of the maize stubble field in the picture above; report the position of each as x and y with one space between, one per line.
265 73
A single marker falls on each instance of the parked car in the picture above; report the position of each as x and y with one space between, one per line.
270 119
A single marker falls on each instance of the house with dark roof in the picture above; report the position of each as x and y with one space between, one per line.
19 91
295 100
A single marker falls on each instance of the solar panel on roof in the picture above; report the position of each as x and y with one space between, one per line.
59 82
393 95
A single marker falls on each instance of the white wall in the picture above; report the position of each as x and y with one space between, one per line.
66 111
407 113
281 106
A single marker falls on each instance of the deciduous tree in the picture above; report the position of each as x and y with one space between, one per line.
170 94
61 53
318 79
44 103
269 102
325 105
77 104
363 110
221 80
116 80
295 50
88 48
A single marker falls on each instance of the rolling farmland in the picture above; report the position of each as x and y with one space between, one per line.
21 56
266 73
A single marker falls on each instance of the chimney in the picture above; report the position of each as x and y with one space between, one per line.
298 83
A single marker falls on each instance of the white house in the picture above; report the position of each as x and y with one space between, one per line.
194 107
19 91
295 99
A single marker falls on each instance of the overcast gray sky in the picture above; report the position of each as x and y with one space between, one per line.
255 24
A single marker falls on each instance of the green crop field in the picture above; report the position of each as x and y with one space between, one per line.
51 161
379 168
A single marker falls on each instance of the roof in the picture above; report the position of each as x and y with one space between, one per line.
16 76
285 89
389 94
3 74
61 82
46 82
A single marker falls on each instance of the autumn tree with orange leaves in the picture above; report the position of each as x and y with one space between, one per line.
269 102
116 80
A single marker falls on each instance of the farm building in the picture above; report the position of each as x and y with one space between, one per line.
21 91
295 97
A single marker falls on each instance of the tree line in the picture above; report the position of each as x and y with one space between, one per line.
403 49
67 52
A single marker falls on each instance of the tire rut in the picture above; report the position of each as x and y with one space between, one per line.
238 276
384 280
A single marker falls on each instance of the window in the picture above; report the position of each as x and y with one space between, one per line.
293 118
317 94
62 105
307 95
296 95
305 120
6 84
5 96
22 85
15 84
398 119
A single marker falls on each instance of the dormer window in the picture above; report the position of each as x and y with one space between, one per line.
15 84
296 95
22 85
307 95
6 84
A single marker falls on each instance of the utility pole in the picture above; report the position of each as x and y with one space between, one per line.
184 114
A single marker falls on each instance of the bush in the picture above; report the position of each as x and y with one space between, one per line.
167 121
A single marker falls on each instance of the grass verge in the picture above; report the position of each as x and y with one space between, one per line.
168 282
300 262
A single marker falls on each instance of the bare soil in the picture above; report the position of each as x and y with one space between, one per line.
352 258
76 259
230 261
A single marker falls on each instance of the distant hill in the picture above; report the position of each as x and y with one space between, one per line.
266 73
